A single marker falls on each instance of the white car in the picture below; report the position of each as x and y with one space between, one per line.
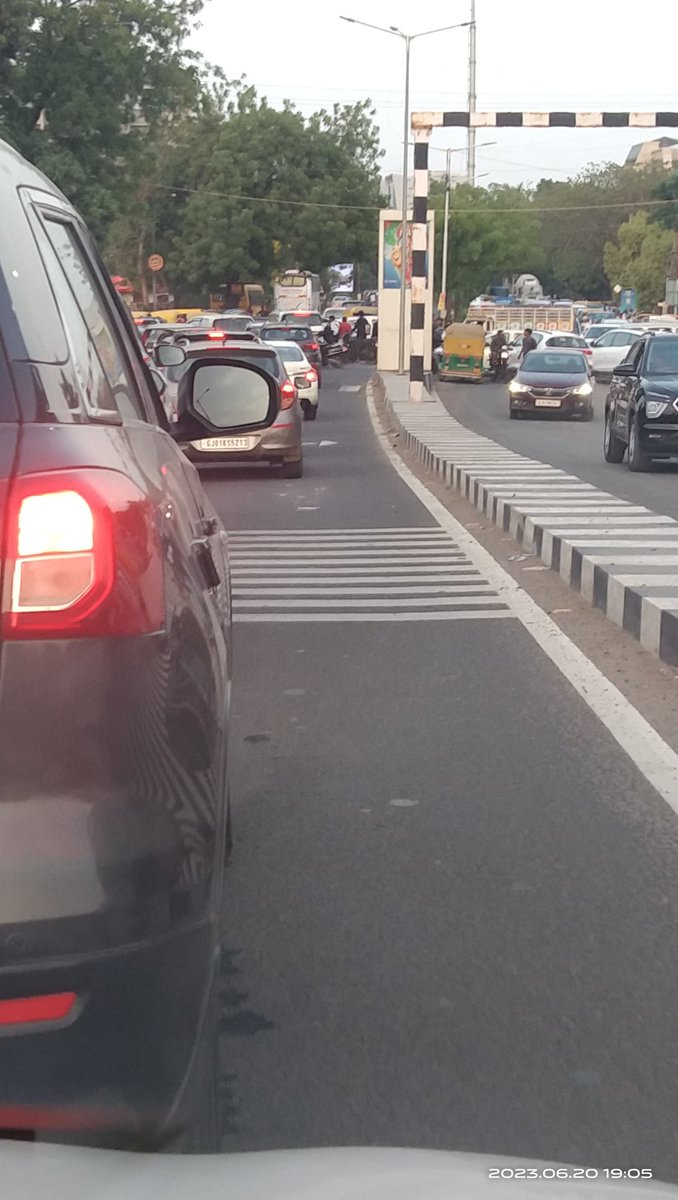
610 349
549 341
304 376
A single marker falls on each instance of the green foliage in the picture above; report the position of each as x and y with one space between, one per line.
639 258
585 213
487 243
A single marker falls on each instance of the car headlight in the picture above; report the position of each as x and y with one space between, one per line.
655 408
584 389
516 387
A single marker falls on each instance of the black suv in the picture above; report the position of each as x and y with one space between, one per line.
115 653
641 408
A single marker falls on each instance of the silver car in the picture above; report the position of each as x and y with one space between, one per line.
280 444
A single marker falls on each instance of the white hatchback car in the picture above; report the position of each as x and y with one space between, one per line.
610 349
549 341
304 376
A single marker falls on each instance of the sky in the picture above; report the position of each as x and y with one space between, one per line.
579 54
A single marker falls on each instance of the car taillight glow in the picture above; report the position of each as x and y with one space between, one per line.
29 1010
216 334
83 557
312 376
313 346
289 394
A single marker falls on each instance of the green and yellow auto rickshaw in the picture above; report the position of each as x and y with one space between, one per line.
463 351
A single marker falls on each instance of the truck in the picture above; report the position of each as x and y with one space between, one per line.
555 316
297 291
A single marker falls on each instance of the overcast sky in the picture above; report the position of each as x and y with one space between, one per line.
582 54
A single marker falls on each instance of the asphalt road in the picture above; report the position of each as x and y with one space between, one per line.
451 911
575 447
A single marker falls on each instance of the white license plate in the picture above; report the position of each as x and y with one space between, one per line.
224 443
544 403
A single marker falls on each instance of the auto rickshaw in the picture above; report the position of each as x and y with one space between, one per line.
462 352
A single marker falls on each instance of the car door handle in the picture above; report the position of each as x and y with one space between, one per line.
203 553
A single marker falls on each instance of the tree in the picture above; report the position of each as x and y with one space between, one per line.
666 215
257 190
485 242
585 213
83 81
638 258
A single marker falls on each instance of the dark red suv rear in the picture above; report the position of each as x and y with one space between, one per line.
114 688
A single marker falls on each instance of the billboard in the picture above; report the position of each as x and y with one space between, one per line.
341 278
393 255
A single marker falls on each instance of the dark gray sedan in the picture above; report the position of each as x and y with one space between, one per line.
552 382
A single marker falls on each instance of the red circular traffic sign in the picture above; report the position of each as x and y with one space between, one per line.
156 262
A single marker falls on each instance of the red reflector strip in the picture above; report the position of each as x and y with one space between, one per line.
31 1009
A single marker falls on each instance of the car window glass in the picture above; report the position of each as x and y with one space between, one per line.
549 362
290 354
114 387
662 356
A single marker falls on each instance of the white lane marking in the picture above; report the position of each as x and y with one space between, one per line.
653 757
448 615
310 582
342 543
326 443
308 507
453 569
357 530
350 387
345 559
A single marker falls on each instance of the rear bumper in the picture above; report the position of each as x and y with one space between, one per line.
281 442
119 1066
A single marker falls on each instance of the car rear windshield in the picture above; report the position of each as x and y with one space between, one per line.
551 363
290 354
268 362
233 324
662 356
287 333
568 339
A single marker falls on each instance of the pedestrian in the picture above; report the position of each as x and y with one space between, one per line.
345 329
529 343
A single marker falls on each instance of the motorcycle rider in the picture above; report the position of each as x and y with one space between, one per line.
329 338
345 329
496 346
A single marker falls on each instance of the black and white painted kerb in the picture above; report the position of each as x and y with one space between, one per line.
622 557
422 125
419 244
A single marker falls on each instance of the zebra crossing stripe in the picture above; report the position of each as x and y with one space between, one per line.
415 574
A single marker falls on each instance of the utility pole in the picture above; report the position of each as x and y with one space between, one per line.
443 274
403 212
471 135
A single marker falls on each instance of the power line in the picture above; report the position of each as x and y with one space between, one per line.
525 208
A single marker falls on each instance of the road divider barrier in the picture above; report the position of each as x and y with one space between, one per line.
622 557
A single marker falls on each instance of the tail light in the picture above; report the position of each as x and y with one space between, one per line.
289 394
83 557
29 1010
216 334
312 376
313 346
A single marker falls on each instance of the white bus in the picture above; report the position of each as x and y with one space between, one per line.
297 291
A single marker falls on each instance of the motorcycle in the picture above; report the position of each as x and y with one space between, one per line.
335 354
500 364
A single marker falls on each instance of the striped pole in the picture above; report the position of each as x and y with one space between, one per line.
422 124
419 250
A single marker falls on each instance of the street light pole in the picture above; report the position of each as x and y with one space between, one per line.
471 135
403 212
443 277
408 38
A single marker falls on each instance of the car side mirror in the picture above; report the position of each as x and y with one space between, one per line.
223 396
167 354
624 368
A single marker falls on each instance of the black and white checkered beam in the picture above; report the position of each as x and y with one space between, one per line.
419 249
546 120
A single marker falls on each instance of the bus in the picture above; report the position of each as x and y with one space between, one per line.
249 297
297 291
